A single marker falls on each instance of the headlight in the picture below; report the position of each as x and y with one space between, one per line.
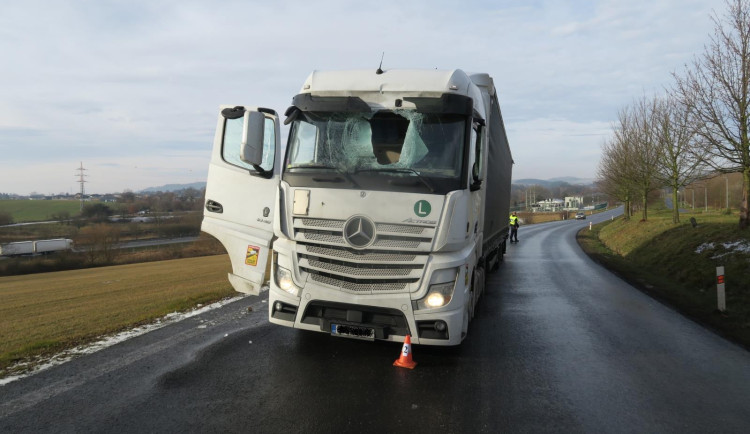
285 282
437 296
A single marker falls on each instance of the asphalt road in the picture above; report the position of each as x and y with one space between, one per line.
559 345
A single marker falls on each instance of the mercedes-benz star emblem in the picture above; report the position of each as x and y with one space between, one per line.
359 232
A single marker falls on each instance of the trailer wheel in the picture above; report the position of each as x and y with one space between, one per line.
499 256
493 264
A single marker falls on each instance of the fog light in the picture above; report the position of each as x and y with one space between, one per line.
440 326
278 306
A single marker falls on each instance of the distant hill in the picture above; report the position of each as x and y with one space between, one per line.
574 180
555 181
175 187
527 181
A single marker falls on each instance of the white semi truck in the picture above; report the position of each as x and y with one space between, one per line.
51 246
21 248
384 213
17 248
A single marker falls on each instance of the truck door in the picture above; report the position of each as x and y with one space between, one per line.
241 190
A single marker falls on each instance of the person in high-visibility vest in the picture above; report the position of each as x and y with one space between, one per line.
513 228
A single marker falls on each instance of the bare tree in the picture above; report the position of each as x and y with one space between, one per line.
636 151
613 173
99 243
6 218
681 152
646 150
716 90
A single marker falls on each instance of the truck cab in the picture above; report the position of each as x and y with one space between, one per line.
376 218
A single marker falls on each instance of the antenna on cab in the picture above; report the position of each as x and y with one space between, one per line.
380 70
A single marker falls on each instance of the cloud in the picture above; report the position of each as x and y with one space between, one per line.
104 81
103 175
546 148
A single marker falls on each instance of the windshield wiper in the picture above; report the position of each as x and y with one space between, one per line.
327 167
400 170
313 166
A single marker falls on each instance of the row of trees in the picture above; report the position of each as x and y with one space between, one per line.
653 146
189 199
702 124
129 203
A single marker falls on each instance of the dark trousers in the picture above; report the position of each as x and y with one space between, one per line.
514 233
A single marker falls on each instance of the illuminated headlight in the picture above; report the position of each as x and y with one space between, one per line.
435 299
438 296
285 282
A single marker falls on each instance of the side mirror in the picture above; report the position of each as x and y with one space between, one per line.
291 114
252 138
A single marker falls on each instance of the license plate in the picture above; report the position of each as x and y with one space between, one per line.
356 332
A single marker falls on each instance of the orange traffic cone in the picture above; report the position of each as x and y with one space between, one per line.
405 360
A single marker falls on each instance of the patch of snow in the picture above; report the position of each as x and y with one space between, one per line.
738 246
734 247
730 247
704 247
108 341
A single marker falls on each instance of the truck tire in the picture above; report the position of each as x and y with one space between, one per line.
493 264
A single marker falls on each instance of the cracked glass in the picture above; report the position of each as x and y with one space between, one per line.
426 143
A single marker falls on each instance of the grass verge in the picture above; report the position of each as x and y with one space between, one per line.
38 210
676 263
45 313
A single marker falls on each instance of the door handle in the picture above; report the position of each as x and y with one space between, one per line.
213 206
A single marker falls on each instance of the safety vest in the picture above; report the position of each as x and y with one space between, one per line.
513 220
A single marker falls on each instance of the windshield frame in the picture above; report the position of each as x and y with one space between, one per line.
385 177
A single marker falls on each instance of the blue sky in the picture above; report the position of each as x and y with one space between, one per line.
132 88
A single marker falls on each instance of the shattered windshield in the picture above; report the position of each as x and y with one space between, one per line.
399 141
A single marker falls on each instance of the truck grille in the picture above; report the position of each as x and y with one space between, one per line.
394 260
